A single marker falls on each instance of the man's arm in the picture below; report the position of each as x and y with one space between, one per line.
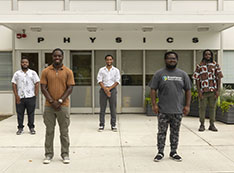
153 94
113 86
17 98
117 80
199 89
218 81
46 93
67 92
188 101
36 88
106 90
55 104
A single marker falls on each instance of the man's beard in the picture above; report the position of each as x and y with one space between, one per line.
171 67
208 60
24 68
57 63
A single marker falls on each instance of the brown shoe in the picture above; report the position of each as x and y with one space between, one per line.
201 128
213 128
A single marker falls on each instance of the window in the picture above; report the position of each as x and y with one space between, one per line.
227 67
5 71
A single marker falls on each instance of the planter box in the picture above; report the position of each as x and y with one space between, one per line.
225 117
194 109
149 111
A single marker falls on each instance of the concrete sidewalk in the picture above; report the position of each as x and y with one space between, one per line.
130 150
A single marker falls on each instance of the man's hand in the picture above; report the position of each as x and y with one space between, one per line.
107 91
17 99
200 95
36 94
56 105
186 110
217 94
155 109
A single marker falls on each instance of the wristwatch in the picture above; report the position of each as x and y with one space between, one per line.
60 101
51 101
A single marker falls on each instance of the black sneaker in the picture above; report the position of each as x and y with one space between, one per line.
175 156
158 157
19 132
32 131
101 128
213 128
201 128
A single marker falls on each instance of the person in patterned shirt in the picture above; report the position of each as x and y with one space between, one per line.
25 84
208 80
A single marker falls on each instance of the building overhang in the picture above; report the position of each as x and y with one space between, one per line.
68 21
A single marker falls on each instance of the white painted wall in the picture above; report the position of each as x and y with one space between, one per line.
228 39
40 6
143 6
6 39
92 5
7 101
194 6
228 5
228 66
130 40
5 5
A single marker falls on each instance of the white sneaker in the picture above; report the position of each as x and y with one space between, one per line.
66 160
114 128
101 128
47 160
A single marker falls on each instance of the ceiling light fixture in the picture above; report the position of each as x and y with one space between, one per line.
147 28
92 28
35 28
203 28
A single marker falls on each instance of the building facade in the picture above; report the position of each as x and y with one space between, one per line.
136 32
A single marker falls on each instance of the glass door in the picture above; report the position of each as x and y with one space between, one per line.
132 81
81 65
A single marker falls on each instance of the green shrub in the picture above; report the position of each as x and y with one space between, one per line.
225 106
225 100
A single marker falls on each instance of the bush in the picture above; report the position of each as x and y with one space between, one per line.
226 100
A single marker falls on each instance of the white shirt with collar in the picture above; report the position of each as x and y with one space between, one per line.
108 77
25 82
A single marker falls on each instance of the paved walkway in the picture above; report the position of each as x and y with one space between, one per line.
130 150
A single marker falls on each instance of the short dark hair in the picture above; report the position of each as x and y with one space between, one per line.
211 53
24 57
170 52
108 56
58 49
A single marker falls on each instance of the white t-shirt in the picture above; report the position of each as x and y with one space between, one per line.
108 77
25 83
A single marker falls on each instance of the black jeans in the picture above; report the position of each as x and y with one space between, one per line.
29 104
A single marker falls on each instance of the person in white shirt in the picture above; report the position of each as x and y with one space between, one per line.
108 78
25 84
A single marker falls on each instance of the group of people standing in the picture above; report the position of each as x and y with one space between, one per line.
171 85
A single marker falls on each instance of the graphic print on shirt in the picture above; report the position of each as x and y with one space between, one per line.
172 78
